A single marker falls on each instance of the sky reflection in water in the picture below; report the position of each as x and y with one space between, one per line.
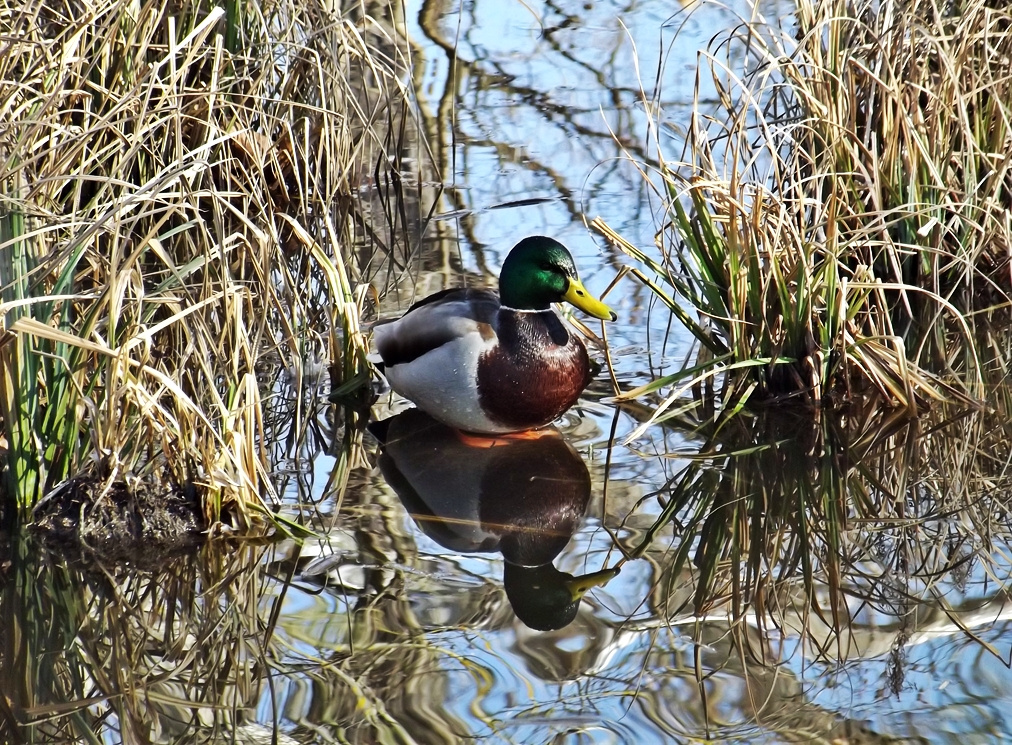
535 111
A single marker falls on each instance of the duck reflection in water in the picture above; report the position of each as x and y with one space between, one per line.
522 496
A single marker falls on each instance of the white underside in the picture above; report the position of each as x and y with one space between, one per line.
444 383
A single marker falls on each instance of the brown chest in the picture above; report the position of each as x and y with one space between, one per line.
535 373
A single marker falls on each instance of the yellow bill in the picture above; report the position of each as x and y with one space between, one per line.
577 294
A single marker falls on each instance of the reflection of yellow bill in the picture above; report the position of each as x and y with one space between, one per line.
577 294
578 586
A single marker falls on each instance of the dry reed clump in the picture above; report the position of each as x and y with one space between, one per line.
170 178
839 233
845 208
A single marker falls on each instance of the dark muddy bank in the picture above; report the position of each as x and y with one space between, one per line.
113 521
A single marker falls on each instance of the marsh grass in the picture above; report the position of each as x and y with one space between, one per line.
176 654
176 215
842 212
835 233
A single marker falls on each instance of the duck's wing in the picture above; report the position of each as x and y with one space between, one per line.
437 320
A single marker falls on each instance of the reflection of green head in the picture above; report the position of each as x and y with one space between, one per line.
540 271
546 599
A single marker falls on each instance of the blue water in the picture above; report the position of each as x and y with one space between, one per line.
537 111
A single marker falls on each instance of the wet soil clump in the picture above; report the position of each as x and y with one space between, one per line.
138 523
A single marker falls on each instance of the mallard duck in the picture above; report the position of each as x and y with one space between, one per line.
492 364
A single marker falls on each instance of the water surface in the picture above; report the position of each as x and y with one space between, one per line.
435 601
551 110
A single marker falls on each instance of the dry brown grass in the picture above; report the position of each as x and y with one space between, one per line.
845 210
176 187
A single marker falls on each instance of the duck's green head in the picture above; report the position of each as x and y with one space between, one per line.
540 271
